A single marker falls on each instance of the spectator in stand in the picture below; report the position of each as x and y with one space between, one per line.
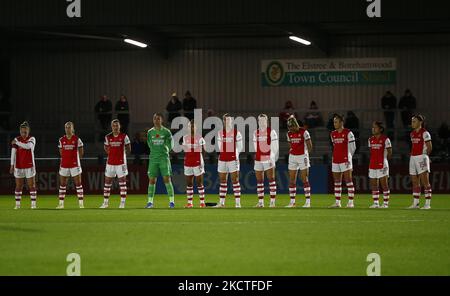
173 107
286 112
389 104
103 109
189 104
313 118
352 123
123 113
408 105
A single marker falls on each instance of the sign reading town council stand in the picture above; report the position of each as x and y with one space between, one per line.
316 72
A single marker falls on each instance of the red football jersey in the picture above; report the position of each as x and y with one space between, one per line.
116 144
340 140
70 157
228 149
297 141
193 150
24 158
418 140
378 152
263 140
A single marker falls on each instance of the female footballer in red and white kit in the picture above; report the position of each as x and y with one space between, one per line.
300 146
343 149
230 145
265 141
194 166
71 150
419 163
22 164
380 151
116 145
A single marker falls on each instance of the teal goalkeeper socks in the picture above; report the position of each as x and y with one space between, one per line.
151 192
169 188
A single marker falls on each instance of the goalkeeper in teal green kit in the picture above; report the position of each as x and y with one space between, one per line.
160 142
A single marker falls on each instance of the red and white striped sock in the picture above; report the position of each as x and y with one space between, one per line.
201 193
307 188
237 192
416 195
273 190
350 190
18 197
33 196
386 194
189 194
80 192
223 192
123 191
292 193
427 195
62 194
106 193
376 196
260 192
338 191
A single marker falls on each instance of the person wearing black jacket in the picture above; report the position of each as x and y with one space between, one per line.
407 104
173 107
123 113
103 109
389 104
189 104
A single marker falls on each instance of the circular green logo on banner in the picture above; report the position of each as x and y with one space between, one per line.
274 73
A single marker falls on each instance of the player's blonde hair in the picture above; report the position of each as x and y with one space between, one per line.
71 124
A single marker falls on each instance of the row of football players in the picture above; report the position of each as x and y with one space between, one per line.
230 143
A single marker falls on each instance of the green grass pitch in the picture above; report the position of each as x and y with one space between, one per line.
246 241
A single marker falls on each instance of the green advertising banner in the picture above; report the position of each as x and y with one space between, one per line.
316 72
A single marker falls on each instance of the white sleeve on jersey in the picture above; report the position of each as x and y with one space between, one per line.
59 143
368 143
29 145
106 141
80 143
13 156
306 136
387 143
274 148
126 140
287 137
426 136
